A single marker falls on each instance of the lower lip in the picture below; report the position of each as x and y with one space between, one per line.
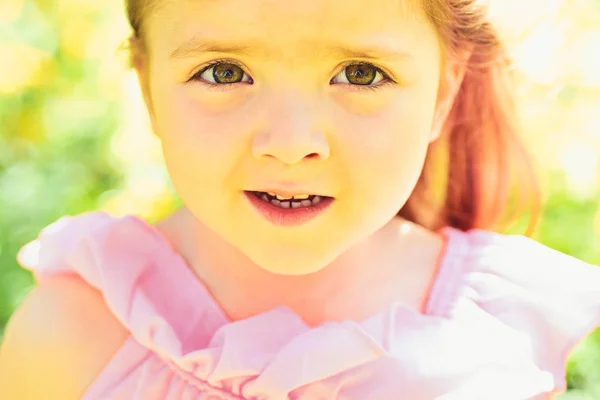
288 216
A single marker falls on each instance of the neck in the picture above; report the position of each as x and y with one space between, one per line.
358 283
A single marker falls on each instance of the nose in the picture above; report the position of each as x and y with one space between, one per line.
291 134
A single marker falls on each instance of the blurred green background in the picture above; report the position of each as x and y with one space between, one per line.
74 135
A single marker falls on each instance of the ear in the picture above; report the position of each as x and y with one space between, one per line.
451 80
139 62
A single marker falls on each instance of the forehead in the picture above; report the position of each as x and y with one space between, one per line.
304 25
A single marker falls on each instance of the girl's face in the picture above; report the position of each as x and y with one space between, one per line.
330 97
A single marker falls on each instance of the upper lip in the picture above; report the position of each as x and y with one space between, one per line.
290 193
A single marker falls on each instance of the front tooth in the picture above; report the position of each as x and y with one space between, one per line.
271 194
295 204
285 204
301 197
281 197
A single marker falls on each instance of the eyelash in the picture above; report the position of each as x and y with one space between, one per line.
225 86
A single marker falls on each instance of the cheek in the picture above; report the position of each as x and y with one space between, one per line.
201 147
187 122
397 133
386 151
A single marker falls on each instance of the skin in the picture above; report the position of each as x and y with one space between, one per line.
297 123
294 121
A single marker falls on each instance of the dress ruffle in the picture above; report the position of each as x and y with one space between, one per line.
503 314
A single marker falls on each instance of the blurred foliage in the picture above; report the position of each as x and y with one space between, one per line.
74 135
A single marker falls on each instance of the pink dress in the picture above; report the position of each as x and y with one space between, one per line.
503 314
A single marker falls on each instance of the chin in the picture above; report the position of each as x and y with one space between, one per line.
292 262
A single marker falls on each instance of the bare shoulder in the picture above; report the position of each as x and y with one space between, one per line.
414 245
58 341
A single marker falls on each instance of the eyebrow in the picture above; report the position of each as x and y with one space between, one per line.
195 46
370 52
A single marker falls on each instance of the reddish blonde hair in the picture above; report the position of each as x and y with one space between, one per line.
475 171
484 167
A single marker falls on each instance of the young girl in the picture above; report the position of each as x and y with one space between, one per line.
311 260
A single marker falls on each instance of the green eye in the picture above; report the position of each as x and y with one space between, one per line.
361 74
223 73
227 73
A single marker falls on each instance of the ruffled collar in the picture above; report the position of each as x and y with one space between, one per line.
157 297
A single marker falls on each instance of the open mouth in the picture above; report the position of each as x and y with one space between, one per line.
297 201
288 211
